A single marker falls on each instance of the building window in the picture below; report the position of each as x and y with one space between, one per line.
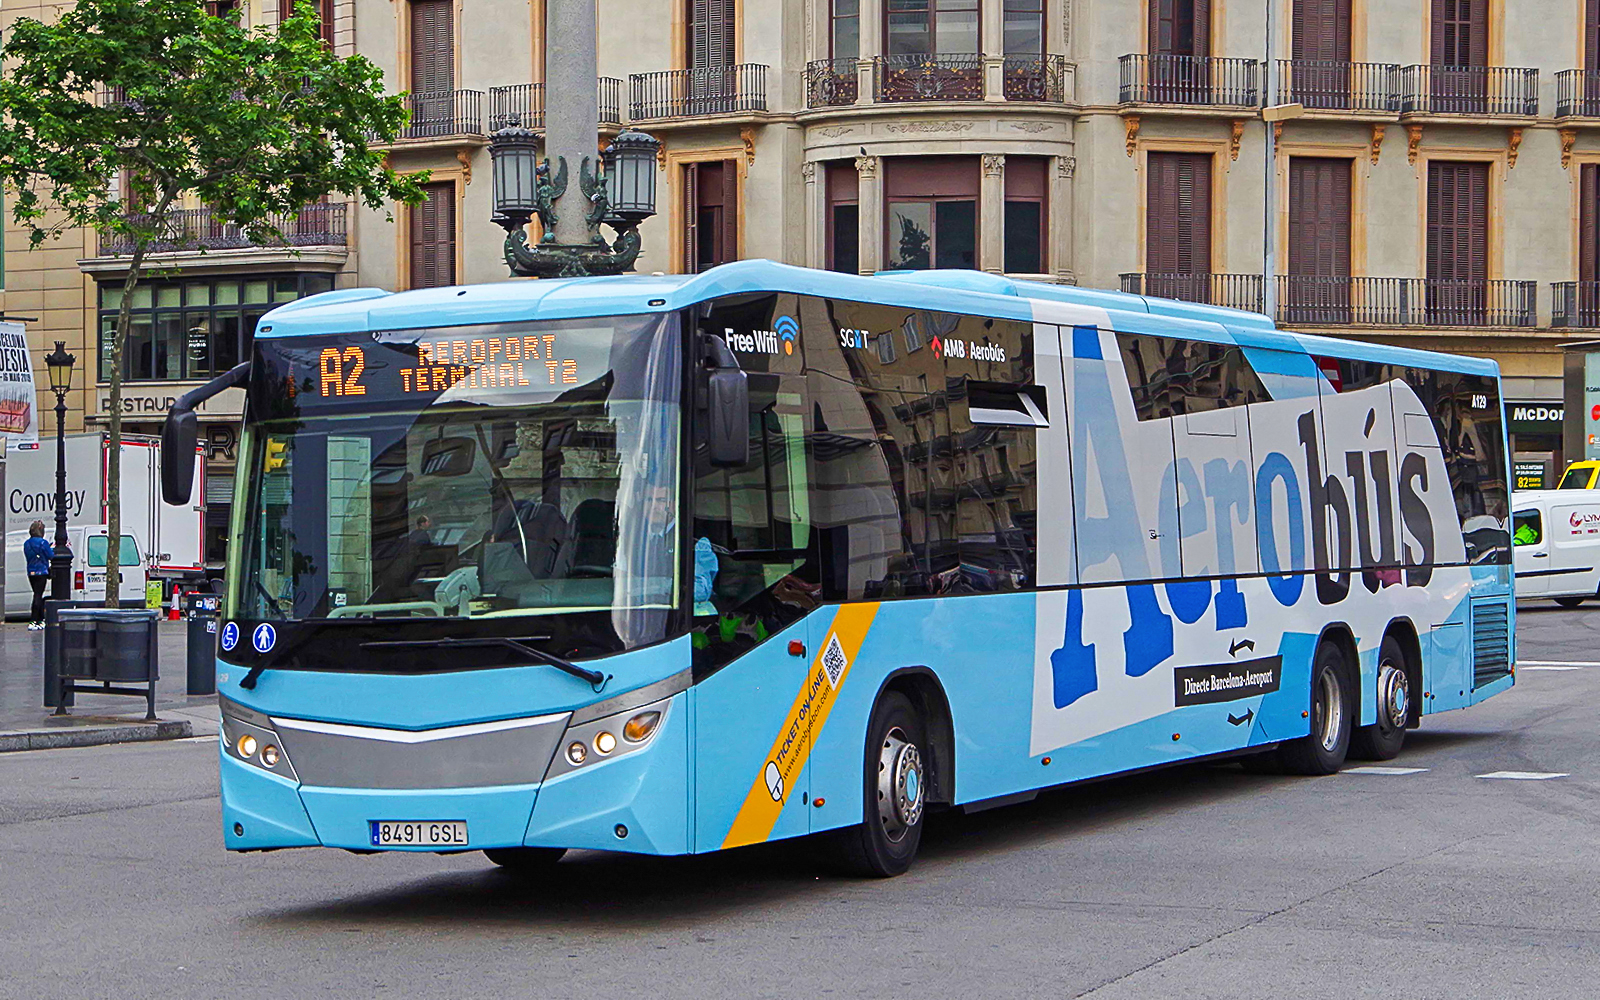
844 40
220 8
932 212
1591 37
1458 242
1460 32
1589 224
1319 33
433 46
323 9
1319 240
1026 199
433 237
844 224
1024 27
927 27
196 329
711 212
1177 240
1180 27
711 33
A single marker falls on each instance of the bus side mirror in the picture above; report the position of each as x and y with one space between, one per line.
728 413
179 436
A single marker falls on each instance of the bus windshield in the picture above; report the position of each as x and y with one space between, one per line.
465 473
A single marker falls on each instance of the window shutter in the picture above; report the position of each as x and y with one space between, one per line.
433 238
1591 35
1477 177
432 46
691 218
730 211
1478 31
1202 27
1178 223
1319 217
1436 26
1589 223
327 21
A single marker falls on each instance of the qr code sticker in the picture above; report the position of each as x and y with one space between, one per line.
834 661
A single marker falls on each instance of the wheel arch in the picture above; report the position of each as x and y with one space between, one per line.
1404 631
1342 636
922 686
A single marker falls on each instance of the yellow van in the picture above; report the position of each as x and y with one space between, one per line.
1580 476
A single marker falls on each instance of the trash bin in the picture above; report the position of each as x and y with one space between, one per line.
108 645
79 642
203 610
124 640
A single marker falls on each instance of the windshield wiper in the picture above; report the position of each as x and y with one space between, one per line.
594 677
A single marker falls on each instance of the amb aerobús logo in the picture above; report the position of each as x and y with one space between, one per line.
781 339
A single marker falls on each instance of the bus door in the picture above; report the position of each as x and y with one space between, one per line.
1216 505
755 582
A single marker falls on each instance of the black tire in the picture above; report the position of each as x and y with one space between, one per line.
894 789
1323 751
522 860
1570 602
1383 739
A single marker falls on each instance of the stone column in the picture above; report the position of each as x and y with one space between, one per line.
992 214
869 214
991 33
1063 219
816 215
872 44
571 114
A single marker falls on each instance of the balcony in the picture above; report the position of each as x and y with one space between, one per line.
1577 94
1340 301
1190 81
522 105
441 114
693 93
1035 78
193 229
1482 91
1339 86
1575 304
945 77
832 83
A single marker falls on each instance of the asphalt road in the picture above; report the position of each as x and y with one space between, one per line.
1197 882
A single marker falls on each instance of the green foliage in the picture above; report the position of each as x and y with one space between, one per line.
254 123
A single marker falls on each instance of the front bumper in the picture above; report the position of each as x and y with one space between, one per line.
635 799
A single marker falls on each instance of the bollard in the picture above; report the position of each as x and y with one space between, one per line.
202 610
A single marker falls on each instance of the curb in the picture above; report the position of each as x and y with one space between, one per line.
93 736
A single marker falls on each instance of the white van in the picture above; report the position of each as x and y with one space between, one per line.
88 569
1556 539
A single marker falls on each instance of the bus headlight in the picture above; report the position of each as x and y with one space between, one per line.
252 738
605 743
269 755
598 741
577 753
247 746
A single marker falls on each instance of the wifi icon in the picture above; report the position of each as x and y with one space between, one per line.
788 331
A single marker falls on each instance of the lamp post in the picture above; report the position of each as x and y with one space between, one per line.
60 363
618 191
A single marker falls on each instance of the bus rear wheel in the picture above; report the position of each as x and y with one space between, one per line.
1323 750
525 859
1383 739
894 793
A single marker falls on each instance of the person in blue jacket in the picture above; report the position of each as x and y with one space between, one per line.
38 553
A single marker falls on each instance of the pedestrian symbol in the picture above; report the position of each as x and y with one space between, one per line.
230 636
263 637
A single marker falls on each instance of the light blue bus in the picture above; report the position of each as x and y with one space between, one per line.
674 564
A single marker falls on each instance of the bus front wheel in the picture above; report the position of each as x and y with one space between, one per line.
524 859
895 786
1323 750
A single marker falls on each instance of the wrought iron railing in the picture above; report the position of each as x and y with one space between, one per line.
437 113
1339 86
1190 80
522 105
1235 291
1577 94
706 90
831 83
1575 304
191 229
1469 90
1035 78
931 77
1340 301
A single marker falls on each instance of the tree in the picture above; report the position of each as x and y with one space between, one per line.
122 110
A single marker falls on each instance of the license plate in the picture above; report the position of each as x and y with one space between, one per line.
418 833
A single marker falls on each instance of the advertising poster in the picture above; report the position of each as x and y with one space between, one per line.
18 412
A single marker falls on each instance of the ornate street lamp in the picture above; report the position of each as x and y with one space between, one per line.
60 363
621 193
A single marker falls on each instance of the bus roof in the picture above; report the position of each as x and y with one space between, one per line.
361 310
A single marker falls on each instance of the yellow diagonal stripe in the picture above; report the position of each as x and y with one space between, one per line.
806 717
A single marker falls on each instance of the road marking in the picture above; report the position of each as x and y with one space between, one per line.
1391 771
1524 775
195 739
1573 664
1522 669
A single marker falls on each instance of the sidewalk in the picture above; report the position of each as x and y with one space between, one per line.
25 724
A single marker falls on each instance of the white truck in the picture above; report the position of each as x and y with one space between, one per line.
168 540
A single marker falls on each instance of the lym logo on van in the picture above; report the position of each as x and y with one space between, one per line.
1585 522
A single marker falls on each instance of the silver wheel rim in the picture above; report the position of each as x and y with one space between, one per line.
1329 711
901 784
1394 692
